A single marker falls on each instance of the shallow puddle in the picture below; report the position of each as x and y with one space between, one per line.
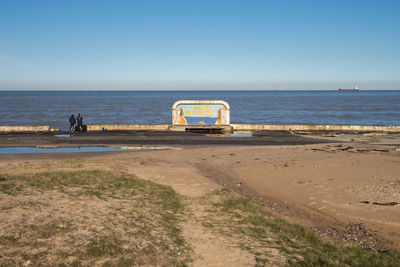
246 134
63 135
241 135
28 150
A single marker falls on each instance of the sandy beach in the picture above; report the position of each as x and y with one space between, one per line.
344 191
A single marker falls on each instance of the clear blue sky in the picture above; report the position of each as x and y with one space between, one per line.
248 44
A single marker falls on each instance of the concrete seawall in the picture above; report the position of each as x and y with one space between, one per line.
23 129
350 128
128 127
235 127
248 127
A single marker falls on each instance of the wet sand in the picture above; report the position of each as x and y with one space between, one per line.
148 138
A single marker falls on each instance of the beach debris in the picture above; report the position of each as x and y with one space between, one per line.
385 203
263 200
349 149
355 231
392 203
372 150
380 150
346 148
239 184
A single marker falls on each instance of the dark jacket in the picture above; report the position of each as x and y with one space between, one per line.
72 120
79 119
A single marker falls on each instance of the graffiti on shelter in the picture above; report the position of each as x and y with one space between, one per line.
200 112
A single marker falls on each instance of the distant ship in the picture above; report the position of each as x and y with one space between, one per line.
351 90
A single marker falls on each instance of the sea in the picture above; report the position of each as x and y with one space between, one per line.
372 107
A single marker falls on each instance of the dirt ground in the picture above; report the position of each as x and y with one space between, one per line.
346 191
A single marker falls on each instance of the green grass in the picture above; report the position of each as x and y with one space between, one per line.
151 232
249 220
106 245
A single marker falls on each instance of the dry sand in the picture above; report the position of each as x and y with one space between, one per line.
345 191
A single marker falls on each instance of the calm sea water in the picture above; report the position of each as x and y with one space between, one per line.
154 107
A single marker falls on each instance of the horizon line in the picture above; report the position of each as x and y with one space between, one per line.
54 90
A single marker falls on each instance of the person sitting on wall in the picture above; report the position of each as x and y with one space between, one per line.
72 122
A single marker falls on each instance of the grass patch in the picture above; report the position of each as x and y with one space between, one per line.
92 218
86 218
106 245
257 229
